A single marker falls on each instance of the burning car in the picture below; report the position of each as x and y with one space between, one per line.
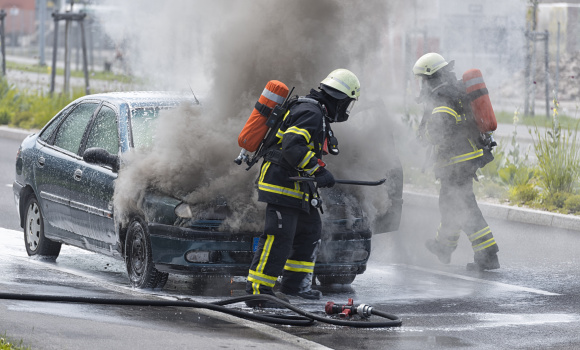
65 182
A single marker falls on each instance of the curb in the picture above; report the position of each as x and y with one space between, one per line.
505 212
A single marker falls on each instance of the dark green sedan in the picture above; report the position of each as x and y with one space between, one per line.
64 186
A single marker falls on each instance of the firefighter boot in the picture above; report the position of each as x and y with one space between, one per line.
484 261
257 290
311 294
442 252
299 285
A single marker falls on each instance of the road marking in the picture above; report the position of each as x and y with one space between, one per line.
472 279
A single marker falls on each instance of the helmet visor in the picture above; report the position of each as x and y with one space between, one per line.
344 108
350 106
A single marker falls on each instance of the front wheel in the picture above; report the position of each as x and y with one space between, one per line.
138 258
36 243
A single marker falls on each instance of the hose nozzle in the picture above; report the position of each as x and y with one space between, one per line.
344 311
243 157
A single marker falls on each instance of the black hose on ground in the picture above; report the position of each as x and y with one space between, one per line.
306 318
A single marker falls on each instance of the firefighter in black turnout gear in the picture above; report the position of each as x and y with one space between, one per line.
459 149
292 232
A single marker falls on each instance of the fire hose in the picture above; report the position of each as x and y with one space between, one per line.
304 318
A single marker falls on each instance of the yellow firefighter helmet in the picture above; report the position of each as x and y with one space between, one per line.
428 64
341 83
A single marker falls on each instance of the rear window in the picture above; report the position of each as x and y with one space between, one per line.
143 125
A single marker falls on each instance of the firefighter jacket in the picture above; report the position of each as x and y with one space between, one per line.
450 128
297 153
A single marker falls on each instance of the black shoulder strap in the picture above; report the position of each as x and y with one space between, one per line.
304 99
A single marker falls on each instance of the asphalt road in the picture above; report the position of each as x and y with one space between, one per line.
8 217
532 302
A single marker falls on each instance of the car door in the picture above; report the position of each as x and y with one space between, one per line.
54 169
92 195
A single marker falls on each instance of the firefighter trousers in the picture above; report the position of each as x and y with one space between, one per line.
288 247
460 212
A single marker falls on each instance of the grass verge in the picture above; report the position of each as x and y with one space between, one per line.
100 75
6 344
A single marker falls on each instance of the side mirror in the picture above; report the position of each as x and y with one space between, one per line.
100 156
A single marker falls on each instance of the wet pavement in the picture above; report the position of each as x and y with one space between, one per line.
533 301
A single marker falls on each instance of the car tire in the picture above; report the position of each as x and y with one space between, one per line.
162 278
139 260
36 243
326 280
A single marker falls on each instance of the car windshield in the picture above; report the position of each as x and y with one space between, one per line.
143 125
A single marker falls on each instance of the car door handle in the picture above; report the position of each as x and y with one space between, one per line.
41 161
78 174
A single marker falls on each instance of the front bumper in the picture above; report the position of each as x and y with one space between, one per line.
222 253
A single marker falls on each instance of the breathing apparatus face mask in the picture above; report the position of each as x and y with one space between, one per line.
343 109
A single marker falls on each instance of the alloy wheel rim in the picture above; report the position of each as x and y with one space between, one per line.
138 253
33 226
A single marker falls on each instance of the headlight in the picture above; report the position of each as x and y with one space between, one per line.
184 211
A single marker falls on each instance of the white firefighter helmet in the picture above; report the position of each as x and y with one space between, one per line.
428 64
341 83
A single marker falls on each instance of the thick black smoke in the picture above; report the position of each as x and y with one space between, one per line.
227 51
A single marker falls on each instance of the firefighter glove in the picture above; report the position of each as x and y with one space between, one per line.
324 178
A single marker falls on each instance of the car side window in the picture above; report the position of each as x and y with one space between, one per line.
49 130
143 125
70 133
104 133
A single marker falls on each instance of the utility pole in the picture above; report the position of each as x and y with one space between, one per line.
41 30
3 41
533 36
557 80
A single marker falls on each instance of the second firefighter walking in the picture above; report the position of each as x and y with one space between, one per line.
459 149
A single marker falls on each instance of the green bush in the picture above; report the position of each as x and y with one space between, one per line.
572 204
555 200
30 110
523 193
558 160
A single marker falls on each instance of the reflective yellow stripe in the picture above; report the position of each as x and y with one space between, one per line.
255 289
299 266
475 236
306 159
279 132
313 170
298 131
463 158
265 253
482 246
260 278
281 190
443 109
472 145
294 193
466 156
